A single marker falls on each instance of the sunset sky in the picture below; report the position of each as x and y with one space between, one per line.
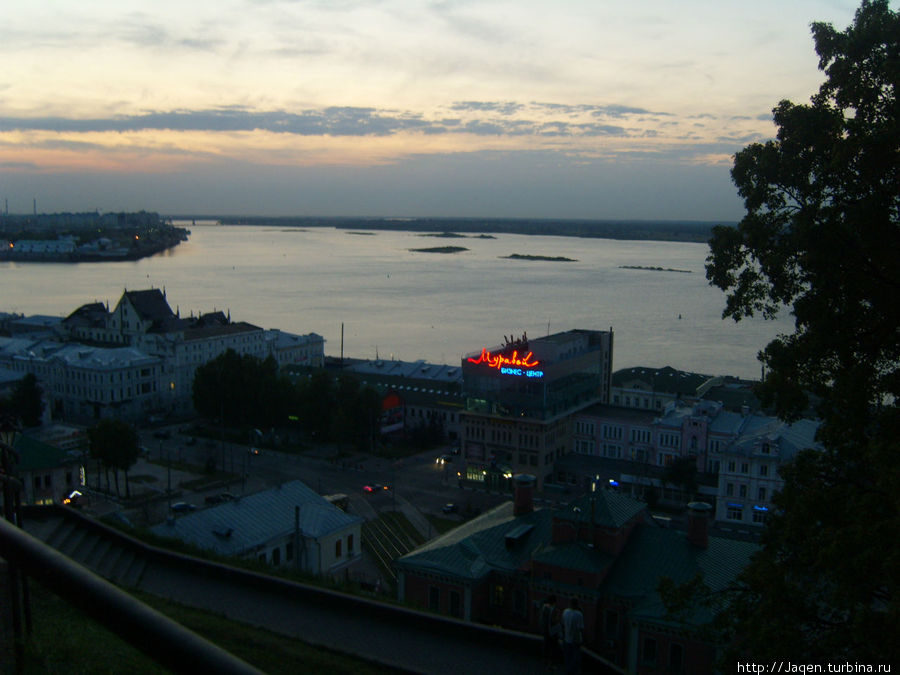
574 109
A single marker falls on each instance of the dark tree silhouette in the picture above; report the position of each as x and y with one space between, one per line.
820 238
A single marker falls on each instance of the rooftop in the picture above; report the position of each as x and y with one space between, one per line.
236 527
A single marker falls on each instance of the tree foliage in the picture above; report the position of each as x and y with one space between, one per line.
116 445
243 390
27 401
340 409
820 238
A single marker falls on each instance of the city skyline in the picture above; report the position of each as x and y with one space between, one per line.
393 108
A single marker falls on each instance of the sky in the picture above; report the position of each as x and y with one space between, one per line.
467 108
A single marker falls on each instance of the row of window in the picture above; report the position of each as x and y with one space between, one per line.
274 557
638 402
762 470
761 492
454 601
736 512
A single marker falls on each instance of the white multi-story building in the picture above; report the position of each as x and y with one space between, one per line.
84 383
140 358
739 453
296 350
748 468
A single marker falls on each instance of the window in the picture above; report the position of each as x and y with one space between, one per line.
434 598
763 469
612 623
676 658
761 496
497 595
648 653
759 517
735 512
743 491
276 556
455 604
745 468
729 490
349 544
337 548
670 440
613 433
289 551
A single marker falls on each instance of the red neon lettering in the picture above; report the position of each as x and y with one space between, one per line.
498 360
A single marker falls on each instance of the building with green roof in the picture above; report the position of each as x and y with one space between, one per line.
603 549
48 473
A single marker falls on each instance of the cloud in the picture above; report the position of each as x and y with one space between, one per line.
19 166
501 107
331 121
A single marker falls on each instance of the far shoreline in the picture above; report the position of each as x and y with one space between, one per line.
628 230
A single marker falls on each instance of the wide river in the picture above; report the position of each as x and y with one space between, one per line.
396 303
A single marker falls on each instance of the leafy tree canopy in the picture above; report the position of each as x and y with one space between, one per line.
115 443
242 390
820 238
27 401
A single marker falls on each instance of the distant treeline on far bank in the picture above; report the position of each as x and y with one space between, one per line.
662 230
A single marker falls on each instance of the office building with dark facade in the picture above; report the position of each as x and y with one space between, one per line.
520 399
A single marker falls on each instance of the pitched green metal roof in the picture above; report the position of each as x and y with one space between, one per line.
35 455
654 552
574 556
611 509
479 546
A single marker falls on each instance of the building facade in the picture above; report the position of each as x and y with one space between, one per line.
140 358
736 453
290 525
602 549
521 398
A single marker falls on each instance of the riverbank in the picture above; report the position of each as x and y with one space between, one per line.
633 230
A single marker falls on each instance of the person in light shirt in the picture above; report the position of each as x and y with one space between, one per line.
573 636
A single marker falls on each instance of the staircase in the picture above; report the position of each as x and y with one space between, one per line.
101 554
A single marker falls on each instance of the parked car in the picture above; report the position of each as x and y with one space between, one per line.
73 499
450 508
183 506
212 500
444 459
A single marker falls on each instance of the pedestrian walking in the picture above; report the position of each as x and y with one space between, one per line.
573 637
550 629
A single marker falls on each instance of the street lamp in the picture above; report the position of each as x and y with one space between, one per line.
12 501
9 429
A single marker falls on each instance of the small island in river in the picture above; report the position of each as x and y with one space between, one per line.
440 249
522 256
653 269
457 235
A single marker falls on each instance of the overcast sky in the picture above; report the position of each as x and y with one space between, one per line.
572 109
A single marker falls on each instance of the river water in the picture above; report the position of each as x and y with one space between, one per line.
395 303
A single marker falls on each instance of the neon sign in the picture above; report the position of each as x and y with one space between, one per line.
521 366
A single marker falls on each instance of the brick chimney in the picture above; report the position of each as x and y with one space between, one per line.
698 524
523 501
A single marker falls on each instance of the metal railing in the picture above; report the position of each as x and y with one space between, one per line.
163 640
